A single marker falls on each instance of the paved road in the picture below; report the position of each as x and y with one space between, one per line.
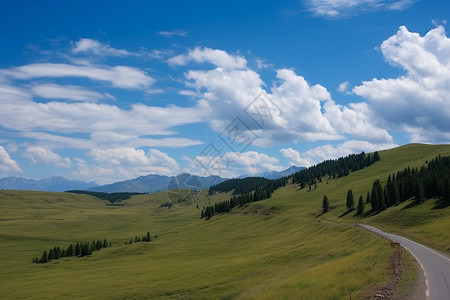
435 265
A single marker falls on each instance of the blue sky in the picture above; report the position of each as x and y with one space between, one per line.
112 90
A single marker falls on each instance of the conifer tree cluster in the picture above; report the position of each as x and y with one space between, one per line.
145 238
111 197
167 204
78 250
424 183
241 186
334 168
260 193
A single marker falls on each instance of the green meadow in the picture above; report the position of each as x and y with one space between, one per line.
282 247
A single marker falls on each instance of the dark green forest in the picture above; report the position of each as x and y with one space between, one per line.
430 181
111 197
334 168
250 189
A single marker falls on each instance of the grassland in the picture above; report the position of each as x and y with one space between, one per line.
277 248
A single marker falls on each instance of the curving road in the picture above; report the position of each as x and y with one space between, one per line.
435 265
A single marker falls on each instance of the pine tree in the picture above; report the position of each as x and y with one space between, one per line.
70 250
77 249
374 199
98 245
44 257
360 206
395 194
368 197
387 200
350 201
447 190
376 156
325 204
420 192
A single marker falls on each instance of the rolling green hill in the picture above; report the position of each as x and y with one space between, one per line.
281 247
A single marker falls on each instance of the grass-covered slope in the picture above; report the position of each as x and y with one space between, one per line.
426 223
239 255
275 248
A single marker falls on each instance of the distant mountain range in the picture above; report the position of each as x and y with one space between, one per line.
143 184
155 183
275 174
51 184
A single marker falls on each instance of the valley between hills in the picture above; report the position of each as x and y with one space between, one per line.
282 247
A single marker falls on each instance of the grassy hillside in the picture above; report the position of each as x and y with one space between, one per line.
277 248
239 255
426 223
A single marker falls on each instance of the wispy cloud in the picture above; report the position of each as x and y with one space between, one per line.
95 47
88 117
343 87
335 9
68 92
91 47
119 76
173 33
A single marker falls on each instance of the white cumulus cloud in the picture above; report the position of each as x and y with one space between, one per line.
321 153
294 110
38 154
216 57
136 159
295 158
233 164
108 165
417 102
7 164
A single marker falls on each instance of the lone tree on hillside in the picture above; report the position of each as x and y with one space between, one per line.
360 206
350 201
325 204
